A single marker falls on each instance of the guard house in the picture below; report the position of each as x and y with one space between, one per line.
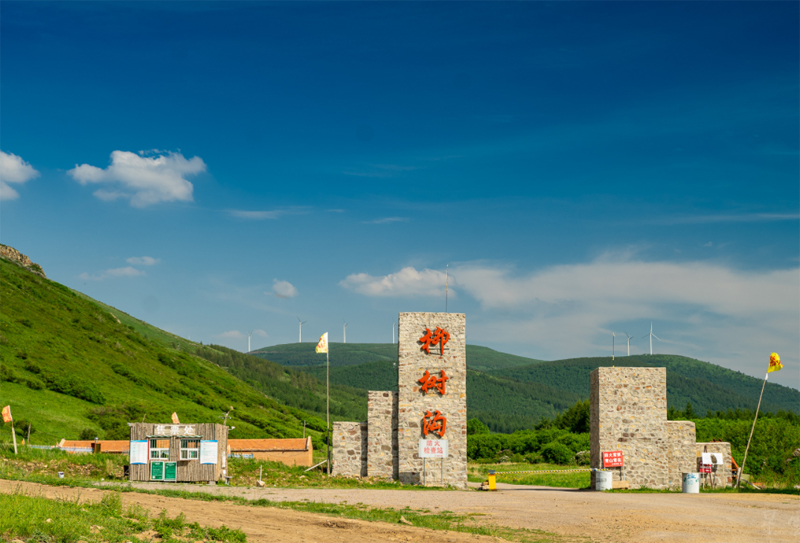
178 452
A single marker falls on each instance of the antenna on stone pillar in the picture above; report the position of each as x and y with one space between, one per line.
446 282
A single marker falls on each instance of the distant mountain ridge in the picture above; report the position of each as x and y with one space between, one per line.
509 392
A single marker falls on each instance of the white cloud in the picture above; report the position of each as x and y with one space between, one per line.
283 289
713 219
145 180
408 282
386 220
255 215
143 260
127 271
704 310
13 170
260 333
231 334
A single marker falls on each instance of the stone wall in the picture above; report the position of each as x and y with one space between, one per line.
349 449
382 434
723 473
628 413
413 403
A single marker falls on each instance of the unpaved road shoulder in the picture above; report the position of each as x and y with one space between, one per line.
576 513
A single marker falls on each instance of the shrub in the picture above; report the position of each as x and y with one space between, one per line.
557 453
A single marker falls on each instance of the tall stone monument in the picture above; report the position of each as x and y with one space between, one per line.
432 397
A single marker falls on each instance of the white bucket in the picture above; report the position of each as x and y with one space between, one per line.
602 480
691 483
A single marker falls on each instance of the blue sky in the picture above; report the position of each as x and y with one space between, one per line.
584 168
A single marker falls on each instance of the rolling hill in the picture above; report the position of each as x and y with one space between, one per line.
71 365
299 355
508 392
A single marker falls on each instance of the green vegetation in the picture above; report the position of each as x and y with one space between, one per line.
355 354
706 386
35 518
568 479
289 386
69 365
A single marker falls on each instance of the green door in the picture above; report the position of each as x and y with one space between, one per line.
170 471
156 471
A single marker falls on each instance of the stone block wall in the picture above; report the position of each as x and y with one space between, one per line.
382 434
724 473
680 448
349 457
628 412
413 403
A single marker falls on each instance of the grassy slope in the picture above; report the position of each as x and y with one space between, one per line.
502 404
52 338
352 354
706 386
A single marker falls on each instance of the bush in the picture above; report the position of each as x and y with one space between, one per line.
557 453
87 434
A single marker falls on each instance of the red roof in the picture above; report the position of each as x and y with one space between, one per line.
257 445
108 446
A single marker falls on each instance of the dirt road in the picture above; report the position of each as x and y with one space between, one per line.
575 514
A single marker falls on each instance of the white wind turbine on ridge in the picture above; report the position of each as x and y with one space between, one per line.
300 338
652 335
629 343
249 333
345 331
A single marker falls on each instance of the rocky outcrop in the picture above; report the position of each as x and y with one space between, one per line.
12 255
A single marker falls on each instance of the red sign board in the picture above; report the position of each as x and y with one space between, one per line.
612 459
706 468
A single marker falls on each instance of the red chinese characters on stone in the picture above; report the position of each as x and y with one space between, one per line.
434 424
429 381
438 337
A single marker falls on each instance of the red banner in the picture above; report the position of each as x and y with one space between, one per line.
612 459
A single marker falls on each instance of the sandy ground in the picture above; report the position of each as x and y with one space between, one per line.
577 515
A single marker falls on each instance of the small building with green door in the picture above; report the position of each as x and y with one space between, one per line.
183 453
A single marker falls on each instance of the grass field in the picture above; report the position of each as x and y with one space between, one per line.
39 519
479 472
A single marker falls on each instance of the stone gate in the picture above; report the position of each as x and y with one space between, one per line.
429 408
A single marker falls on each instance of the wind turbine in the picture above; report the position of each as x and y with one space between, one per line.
345 331
300 339
652 335
393 324
249 333
629 343
613 340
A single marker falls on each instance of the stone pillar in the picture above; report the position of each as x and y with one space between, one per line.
413 403
349 449
382 434
628 413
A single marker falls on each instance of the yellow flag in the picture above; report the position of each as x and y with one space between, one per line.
7 414
175 419
322 346
774 363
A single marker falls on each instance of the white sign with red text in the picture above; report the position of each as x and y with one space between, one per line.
433 448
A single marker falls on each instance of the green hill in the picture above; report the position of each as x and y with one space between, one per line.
300 355
512 393
71 365
706 386
506 405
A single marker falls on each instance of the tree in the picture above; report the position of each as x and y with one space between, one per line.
476 427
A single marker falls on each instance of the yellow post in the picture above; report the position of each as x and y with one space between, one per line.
492 481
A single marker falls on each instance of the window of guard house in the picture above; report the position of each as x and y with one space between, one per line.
190 449
159 449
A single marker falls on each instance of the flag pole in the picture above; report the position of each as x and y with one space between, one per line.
14 436
741 469
328 404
